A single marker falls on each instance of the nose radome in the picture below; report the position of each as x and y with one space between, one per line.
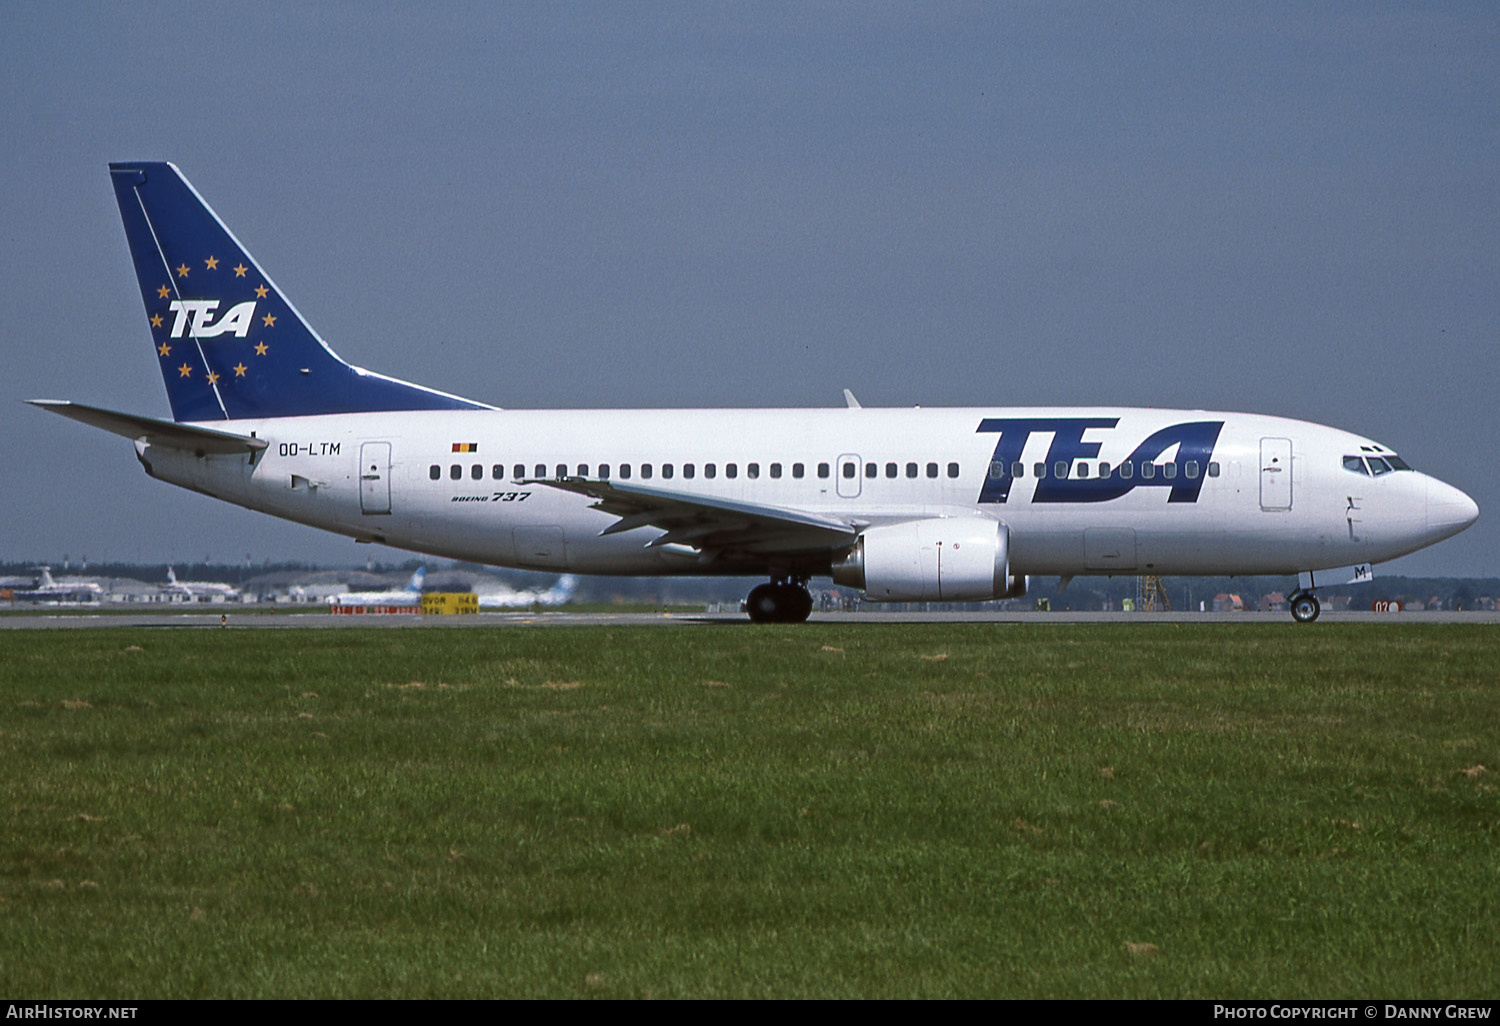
1448 509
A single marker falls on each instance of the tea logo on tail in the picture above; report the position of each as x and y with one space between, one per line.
193 315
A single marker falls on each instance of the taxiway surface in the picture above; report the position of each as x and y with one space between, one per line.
256 619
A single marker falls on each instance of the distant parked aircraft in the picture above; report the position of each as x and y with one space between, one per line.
48 591
410 595
500 597
556 595
198 591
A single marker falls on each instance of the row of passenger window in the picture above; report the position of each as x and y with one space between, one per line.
893 470
1125 471
646 471
689 470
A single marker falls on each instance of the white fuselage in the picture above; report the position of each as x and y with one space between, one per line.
1278 497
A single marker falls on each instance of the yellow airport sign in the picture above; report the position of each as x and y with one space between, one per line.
449 602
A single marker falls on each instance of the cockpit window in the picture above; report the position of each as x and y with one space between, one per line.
1372 465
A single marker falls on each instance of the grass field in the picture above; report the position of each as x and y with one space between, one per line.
948 810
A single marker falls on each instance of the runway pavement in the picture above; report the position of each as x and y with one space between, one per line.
252 619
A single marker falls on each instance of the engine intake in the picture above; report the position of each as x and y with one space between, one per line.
940 559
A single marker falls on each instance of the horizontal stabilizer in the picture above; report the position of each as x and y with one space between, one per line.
153 431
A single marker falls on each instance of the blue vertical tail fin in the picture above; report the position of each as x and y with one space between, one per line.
417 580
230 345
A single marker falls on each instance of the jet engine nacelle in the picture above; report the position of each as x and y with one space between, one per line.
942 559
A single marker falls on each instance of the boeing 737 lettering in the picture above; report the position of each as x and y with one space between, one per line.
902 504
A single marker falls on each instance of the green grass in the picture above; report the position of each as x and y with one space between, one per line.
717 811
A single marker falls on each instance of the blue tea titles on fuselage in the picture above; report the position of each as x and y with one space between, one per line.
1183 475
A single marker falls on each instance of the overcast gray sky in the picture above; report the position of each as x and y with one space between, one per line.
1279 208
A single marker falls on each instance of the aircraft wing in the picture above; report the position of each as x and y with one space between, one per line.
712 525
155 432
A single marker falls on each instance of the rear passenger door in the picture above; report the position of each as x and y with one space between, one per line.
375 478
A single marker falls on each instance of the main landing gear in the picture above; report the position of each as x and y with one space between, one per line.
779 602
1304 606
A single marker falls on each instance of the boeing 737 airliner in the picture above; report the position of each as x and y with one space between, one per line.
903 504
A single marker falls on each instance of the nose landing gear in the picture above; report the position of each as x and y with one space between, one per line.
779 602
1304 606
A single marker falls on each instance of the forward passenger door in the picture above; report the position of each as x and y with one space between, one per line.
1275 474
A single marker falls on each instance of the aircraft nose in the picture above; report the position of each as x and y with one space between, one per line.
1448 509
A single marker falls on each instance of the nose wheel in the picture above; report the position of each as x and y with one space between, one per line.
779 602
1304 606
